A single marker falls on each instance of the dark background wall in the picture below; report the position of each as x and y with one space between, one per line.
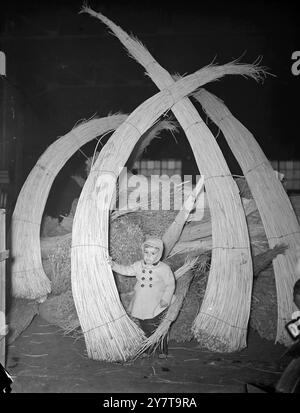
68 67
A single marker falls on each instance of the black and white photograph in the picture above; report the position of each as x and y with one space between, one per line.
149 199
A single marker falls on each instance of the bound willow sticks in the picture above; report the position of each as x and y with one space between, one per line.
99 309
277 214
184 277
231 259
28 277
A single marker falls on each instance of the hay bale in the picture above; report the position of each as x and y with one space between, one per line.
50 244
59 261
181 329
126 239
154 223
263 316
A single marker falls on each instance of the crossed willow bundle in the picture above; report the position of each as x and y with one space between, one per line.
92 278
231 260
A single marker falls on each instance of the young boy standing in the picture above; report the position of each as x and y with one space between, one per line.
153 290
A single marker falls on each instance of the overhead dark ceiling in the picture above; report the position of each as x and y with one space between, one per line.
69 67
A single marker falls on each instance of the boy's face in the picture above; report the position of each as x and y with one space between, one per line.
151 255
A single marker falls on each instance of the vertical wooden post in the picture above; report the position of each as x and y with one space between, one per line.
2 286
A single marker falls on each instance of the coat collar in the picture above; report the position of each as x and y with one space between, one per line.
150 265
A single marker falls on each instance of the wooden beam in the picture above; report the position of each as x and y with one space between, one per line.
3 255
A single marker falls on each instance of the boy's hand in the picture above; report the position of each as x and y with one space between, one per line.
163 303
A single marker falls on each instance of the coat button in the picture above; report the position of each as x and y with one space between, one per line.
143 271
142 285
150 279
143 278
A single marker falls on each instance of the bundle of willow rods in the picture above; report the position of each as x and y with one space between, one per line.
90 226
277 214
231 249
264 305
27 274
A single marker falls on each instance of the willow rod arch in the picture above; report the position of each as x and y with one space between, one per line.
278 216
28 277
101 314
279 226
231 258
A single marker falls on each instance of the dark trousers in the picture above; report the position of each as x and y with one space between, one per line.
149 326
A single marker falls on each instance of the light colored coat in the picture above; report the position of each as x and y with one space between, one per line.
154 283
